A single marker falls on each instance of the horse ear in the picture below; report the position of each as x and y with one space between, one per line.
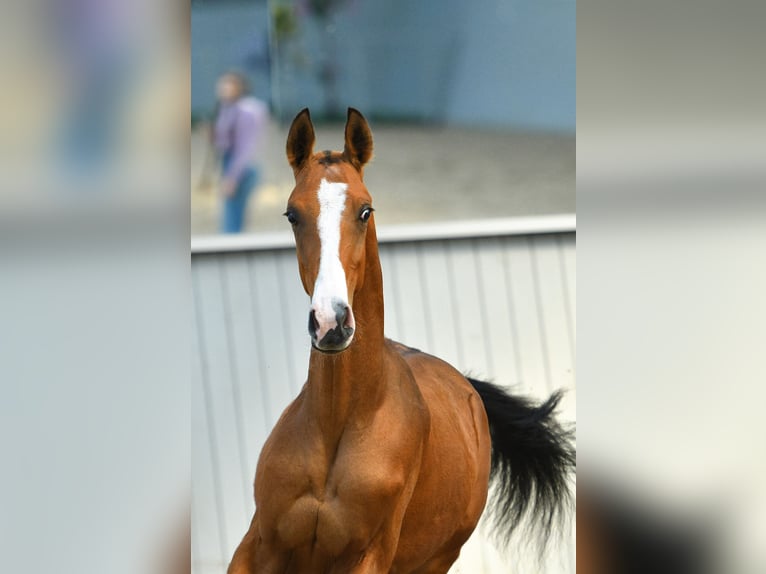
358 149
300 140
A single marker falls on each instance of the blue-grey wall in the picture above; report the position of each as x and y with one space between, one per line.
224 36
504 63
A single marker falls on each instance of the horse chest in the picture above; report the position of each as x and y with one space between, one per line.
340 508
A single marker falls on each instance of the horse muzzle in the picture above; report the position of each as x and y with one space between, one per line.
331 327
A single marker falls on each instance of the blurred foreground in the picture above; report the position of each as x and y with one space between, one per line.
671 201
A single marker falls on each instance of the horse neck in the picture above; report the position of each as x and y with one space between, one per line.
351 384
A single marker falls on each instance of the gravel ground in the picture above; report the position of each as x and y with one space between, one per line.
418 174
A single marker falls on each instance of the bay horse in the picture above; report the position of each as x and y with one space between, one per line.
382 463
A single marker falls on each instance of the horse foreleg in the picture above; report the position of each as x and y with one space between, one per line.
251 557
439 564
377 558
243 561
371 562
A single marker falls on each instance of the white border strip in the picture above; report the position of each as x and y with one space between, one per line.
531 225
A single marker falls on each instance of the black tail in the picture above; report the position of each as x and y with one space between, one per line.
532 458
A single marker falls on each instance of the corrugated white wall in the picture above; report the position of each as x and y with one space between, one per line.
501 307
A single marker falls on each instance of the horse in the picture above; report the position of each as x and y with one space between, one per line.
383 461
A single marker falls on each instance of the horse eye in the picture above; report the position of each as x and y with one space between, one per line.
291 217
365 214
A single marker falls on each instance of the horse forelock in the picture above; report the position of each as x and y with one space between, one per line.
329 157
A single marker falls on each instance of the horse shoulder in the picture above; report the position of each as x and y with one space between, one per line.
286 476
454 404
275 453
458 446
428 369
408 409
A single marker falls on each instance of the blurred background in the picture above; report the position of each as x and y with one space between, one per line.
472 106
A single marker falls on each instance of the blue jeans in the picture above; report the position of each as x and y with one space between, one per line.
234 207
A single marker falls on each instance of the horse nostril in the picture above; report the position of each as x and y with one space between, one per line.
343 316
313 324
348 319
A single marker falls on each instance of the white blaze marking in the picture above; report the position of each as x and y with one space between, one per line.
331 280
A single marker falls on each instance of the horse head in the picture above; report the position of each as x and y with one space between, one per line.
330 211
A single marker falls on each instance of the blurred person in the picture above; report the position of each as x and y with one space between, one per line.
239 128
93 41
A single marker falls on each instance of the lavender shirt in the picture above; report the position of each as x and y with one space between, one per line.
240 129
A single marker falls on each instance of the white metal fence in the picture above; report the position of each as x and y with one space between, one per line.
494 298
